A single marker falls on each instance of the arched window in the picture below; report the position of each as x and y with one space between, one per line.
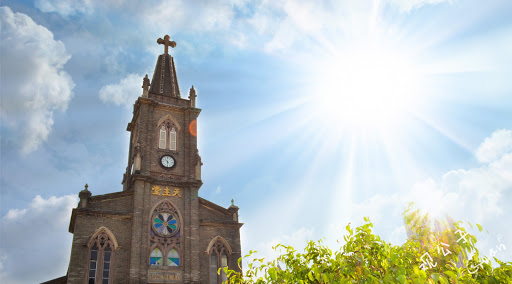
218 259
156 257
101 249
163 138
173 258
172 139
165 236
168 129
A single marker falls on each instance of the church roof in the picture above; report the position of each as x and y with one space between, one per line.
165 81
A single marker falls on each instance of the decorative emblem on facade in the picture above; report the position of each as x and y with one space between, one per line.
165 224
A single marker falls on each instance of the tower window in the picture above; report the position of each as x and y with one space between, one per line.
172 139
163 135
168 136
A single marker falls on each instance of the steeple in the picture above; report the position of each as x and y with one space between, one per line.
165 81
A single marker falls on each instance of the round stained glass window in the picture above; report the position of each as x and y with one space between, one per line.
165 224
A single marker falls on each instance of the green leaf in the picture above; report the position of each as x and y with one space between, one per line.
451 274
310 276
479 227
435 277
401 279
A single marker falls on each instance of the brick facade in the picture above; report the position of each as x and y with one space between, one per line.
125 218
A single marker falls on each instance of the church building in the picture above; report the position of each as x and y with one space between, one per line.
157 229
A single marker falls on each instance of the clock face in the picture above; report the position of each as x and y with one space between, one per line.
167 161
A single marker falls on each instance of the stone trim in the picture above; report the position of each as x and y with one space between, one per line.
220 240
213 206
115 195
220 224
84 211
185 184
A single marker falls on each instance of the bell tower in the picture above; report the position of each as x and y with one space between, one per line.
163 141
164 174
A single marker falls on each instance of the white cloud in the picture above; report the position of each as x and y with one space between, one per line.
29 234
495 146
408 5
32 80
65 7
297 239
15 214
479 195
124 93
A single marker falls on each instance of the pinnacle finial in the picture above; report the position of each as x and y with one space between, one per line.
166 42
86 186
232 202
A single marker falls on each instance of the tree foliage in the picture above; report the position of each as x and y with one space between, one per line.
429 256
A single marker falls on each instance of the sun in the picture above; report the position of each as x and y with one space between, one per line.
371 84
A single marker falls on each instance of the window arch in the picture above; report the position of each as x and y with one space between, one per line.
168 136
165 235
168 129
101 255
219 251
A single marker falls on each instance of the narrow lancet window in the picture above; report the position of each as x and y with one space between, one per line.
173 139
93 262
163 135
219 252
223 263
213 268
101 254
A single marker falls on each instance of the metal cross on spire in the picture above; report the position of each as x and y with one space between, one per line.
166 42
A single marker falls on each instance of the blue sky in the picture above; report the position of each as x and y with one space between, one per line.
314 114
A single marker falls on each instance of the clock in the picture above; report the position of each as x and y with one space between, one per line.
167 161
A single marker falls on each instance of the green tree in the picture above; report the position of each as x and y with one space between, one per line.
429 256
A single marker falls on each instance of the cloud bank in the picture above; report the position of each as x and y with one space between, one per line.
26 234
33 82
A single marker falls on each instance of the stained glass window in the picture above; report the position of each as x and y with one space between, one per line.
156 257
164 235
173 258
165 224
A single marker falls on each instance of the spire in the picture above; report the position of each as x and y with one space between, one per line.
145 86
192 96
165 81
